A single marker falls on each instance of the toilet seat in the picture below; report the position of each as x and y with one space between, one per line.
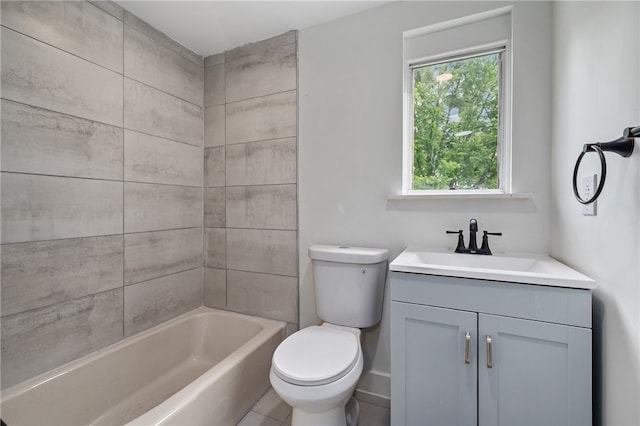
316 355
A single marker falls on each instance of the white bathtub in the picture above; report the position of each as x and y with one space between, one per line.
206 367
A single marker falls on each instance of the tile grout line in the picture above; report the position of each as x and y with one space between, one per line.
124 256
125 234
282 138
77 117
251 98
92 2
161 276
63 302
297 178
226 269
204 138
163 91
121 73
116 180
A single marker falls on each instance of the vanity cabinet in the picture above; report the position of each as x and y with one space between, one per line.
466 351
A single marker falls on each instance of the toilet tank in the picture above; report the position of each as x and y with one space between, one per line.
349 284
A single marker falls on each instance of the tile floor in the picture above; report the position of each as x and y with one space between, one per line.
270 410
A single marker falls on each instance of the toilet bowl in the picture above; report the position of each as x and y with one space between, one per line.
316 369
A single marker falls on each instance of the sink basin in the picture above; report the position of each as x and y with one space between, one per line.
503 263
526 268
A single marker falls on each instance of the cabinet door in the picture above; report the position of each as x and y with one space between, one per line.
433 368
533 373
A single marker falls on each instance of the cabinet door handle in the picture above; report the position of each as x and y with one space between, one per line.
467 348
489 352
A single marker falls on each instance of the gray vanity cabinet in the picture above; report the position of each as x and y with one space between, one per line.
467 352
431 384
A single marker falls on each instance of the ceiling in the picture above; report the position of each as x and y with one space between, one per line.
209 27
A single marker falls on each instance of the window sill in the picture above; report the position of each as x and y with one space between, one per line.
458 195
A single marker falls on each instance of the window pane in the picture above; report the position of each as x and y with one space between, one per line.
455 140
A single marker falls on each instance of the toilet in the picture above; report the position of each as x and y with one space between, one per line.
316 369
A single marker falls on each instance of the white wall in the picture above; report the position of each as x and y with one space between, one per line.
596 89
350 144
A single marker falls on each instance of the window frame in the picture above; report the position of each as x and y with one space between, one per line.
505 113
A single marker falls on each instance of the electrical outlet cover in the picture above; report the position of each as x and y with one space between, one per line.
589 183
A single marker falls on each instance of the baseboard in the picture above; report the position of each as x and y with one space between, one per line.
374 387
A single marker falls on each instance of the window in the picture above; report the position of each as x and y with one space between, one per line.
457 106
456 110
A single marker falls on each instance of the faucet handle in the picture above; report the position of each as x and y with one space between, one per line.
485 241
460 247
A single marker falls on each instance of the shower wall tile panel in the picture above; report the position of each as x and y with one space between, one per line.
76 27
267 117
214 208
156 60
262 206
149 255
149 110
214 85
215 248
36 140
46 207
260 250
262 73
214 126
36 341
151 302
260 163
215 288
42 273
74 180
214 166
37 74
156 160
151 207
270 296
251 265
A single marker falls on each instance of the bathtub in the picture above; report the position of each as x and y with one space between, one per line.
206 367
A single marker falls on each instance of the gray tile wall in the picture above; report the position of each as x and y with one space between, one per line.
102 173
250 179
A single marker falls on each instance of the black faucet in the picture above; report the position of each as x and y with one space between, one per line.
473 244
473 228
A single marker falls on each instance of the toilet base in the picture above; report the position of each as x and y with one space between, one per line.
352 412
341 415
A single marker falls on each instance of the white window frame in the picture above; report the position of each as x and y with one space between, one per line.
505 99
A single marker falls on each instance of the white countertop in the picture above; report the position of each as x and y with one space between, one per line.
519 268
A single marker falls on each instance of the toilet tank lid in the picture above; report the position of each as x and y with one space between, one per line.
347 254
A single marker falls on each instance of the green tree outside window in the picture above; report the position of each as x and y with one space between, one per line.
456 106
